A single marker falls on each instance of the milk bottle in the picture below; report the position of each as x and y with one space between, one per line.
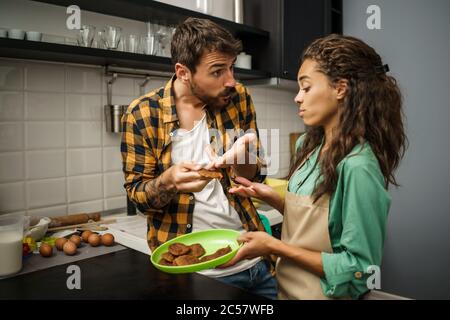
11 234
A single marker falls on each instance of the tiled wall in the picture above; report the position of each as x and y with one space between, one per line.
55 154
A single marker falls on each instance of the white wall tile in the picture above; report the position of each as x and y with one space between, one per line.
258 94
46 193
115 203
11 136
86 207
110 139
11 106
11 166
260 110
11 75
84 161
48 212
44 106
114 184
44 77
84 107
41 135
13 213
46 164
83 80
84 134
12 197
85 188
124 100
112 159
122 87
279 96
152 85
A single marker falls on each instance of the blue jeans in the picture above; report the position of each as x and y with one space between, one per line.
257 280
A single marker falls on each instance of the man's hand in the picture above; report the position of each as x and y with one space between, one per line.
238 154
184 177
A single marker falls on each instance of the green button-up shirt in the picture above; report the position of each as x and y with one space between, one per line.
357 219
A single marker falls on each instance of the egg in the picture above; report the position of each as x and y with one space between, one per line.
107 239
76 239
59 243
70 248
46 250
94 239
85 235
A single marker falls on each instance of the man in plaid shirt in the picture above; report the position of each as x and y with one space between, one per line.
202 118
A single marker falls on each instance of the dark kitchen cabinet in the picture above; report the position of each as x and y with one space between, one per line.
293 24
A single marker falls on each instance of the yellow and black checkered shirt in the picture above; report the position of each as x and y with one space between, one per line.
148 125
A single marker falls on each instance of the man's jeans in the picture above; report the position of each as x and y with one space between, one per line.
257 280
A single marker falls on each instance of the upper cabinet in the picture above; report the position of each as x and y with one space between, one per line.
252 38
293 24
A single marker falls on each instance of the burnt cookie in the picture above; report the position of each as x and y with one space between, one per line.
185 260
197 250
210 174
220 252
179 249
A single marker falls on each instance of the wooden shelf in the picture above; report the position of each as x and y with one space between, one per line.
23 49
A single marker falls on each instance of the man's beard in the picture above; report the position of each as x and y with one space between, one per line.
212 102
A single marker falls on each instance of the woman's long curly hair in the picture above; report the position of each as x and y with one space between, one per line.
371 111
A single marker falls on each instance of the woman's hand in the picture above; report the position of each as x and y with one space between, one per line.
259 191
247 188
256 244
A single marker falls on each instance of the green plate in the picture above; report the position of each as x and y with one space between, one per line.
211 240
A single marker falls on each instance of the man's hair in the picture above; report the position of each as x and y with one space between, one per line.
194 37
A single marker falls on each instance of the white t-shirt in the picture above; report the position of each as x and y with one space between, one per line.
212 210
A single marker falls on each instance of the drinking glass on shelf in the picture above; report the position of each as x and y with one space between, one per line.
111 37
132 43
98 41
85 35
164 36
149 45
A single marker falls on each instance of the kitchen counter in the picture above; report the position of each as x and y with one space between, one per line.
127 274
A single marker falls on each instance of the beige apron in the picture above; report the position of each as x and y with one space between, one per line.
305 225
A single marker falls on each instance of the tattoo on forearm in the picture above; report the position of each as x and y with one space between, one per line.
159 195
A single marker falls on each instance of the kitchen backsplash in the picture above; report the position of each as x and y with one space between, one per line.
55 154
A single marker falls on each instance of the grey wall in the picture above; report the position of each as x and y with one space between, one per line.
414 41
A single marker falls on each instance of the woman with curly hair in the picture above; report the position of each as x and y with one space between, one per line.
336 207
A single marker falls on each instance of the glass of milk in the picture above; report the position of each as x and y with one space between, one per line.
11 234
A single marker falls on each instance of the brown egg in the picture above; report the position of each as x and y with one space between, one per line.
107 239
94 240
76 239
59 243
70 248
46 250
85 235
